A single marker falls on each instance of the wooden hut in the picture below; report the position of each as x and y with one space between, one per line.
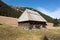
31 20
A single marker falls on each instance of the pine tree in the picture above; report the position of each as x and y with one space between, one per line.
56 23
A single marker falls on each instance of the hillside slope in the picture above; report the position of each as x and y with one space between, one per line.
9 20
6 10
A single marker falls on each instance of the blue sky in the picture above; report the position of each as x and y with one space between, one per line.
49 7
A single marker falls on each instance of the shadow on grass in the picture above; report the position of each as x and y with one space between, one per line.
1 24
45 38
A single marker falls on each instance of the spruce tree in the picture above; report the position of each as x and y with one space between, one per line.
56 23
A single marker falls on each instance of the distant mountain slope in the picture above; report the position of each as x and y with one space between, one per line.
13 11
6 10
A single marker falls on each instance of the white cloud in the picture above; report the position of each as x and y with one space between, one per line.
54 14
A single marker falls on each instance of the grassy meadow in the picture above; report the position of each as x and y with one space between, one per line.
8 32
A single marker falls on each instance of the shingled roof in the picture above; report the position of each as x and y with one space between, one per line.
30 15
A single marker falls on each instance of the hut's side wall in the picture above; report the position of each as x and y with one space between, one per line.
24 25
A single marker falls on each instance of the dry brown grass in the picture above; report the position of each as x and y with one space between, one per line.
8 20
8 32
